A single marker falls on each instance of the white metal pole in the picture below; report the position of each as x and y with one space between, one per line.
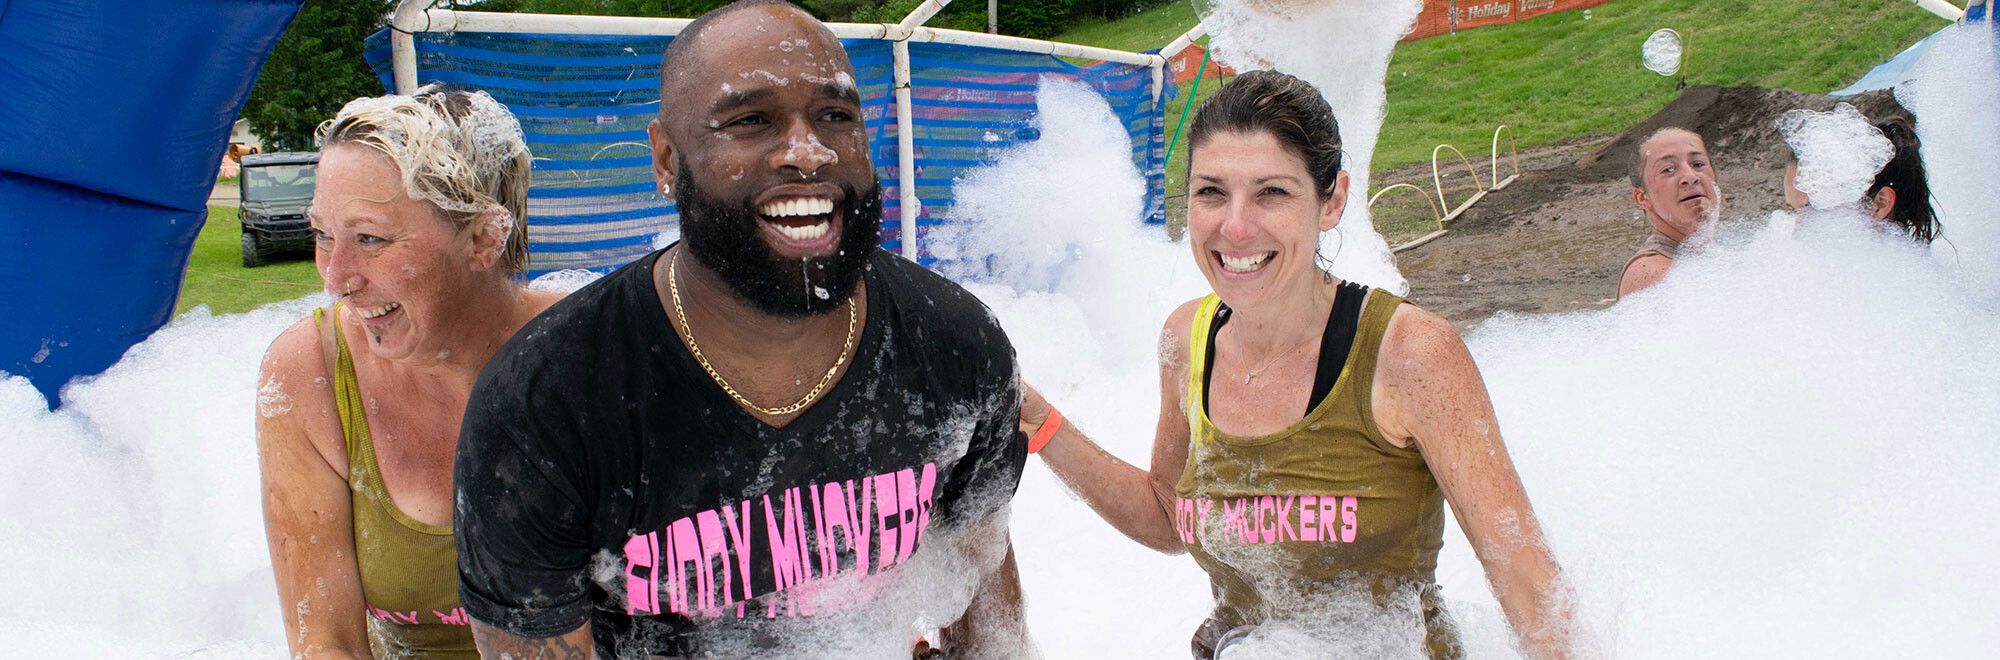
906 156
922 13
474 21
1018 44
403 47
1181 43
1159 81
1948 11
993 16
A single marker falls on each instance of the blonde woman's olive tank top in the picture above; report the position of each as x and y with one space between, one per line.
409 569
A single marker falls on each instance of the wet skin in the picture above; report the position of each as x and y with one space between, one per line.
1680 199
1680 193
1252 202
766 124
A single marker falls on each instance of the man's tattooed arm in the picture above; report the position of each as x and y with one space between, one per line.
496 644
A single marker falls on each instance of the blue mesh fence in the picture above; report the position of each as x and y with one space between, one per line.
584 101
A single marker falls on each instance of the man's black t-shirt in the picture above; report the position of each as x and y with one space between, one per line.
603 477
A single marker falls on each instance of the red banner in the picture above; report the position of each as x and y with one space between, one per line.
1188 63
1438 17
1450 16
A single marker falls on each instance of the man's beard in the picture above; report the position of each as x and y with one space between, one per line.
723 236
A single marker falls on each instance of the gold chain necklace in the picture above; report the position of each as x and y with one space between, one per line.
674 286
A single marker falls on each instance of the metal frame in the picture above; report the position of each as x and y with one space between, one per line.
1437 179
1944 10
413 16
1494 176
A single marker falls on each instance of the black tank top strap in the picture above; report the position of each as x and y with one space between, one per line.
1337 341
1208 363
1334 343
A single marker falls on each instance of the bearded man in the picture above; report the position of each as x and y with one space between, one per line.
770 439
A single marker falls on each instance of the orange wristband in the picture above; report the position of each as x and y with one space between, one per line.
1047 431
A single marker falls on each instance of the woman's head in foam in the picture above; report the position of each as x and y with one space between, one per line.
1264 180
463 153
1832 151
1907 201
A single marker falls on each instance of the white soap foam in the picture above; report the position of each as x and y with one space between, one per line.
570 279
1839 154
1952 93
133 514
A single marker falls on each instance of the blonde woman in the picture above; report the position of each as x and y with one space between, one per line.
420 236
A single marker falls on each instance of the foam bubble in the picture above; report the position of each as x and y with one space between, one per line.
1839 154
1662 53
566 280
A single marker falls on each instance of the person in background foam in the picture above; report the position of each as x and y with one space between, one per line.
1337 417
770 435
419 230
1900 194
1673 181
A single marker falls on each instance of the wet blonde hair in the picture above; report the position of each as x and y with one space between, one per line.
461 152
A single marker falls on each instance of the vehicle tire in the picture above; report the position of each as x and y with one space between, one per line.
251 256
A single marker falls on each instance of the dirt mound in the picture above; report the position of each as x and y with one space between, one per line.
1557 239
1736 122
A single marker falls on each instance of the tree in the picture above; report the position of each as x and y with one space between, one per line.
316 67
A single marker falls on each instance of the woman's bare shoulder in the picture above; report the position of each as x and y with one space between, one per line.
296 352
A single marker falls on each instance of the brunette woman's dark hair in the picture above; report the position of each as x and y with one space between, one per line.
1291 110
1905 175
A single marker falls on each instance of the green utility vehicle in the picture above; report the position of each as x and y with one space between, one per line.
276 189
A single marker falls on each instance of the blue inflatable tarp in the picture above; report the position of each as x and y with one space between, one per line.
113 119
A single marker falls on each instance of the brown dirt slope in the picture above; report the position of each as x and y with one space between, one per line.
1558 237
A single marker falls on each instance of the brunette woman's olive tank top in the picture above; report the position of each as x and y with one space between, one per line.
1325 519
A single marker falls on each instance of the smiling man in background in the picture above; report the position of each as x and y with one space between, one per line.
773 438
1673 181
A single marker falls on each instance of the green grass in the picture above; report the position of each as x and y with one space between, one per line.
1150 28
216 276
1560 78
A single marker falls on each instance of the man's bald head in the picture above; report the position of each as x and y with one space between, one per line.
686 52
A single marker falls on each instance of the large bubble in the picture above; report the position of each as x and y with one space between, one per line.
1661 53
